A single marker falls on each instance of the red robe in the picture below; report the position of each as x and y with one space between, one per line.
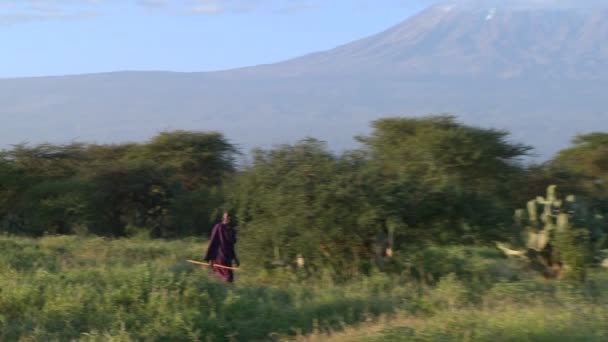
221 250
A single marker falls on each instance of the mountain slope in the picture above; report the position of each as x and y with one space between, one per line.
492 40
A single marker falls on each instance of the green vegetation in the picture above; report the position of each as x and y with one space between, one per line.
404 229
64 288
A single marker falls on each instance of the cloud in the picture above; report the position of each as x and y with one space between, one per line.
295 7
530 4
214 7
20 11
154 4
18 18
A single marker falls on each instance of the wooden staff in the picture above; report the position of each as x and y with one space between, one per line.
214 265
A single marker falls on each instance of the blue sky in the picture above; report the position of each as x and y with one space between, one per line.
59 37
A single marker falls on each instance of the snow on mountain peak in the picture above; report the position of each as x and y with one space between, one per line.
491 14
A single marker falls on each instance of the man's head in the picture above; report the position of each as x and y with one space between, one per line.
226 218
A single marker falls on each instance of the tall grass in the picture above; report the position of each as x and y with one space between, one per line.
94 289
64 288
531 310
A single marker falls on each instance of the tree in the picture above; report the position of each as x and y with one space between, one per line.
47 161
12 183
195 159
37 194
51 207
301 200
587 161
584 170
127 193
443 181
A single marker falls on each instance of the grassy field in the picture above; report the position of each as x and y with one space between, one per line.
94 289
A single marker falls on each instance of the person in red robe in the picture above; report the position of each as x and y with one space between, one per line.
220 250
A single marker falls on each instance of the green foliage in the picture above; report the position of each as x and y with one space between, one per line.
301 200
445 181
195 159
588 157
417 181
51 207
77 288
66 288
128 193
104 189
585 165
12 183
483 265
48 161
438 151
193 213
509 323
449 294
574 250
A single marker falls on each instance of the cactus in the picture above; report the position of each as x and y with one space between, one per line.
551 219
550 234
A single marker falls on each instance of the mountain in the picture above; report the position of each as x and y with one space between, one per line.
473 39
537 68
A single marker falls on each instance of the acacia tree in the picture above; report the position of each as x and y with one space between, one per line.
169 186
198 165
197 160
442 181
40 191
584 169
12 183
587 162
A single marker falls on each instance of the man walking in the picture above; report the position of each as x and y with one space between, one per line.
220 250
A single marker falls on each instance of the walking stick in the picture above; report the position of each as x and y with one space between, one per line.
214 265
